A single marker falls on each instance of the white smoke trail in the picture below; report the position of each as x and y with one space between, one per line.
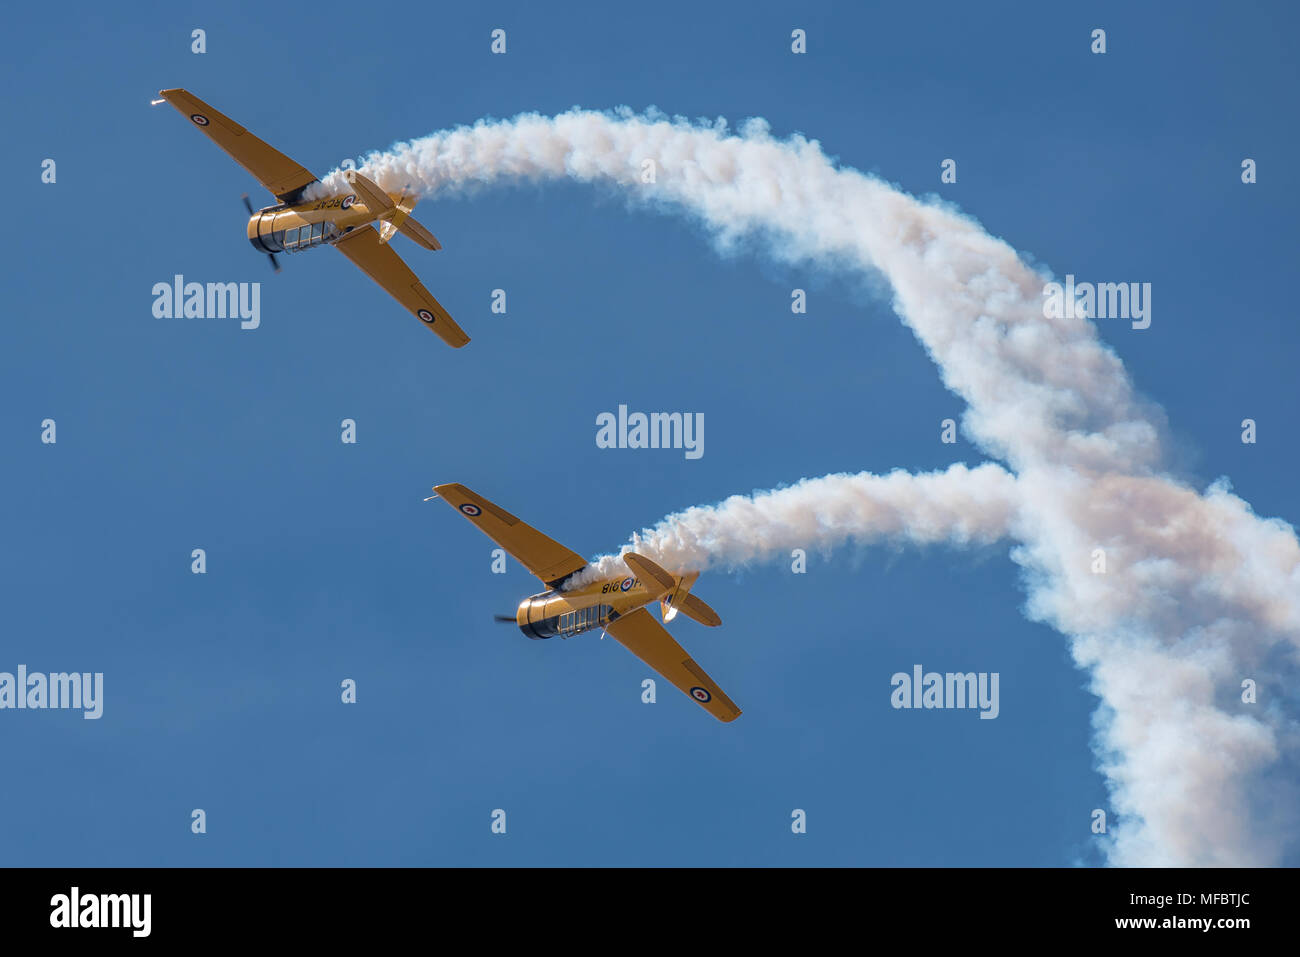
1199 594
960 506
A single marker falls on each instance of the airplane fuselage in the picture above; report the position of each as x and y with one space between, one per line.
567 613
341 220
291 228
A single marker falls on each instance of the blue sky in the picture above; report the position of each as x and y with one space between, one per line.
222 690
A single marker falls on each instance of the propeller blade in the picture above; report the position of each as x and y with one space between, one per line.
275 264
247 205
507 619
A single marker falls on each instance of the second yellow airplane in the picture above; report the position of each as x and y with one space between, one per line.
618 605
342 221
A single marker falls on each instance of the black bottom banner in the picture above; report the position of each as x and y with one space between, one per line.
182 906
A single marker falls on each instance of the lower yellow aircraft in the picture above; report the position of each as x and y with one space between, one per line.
618 605
342 221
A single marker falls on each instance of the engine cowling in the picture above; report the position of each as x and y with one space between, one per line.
533 620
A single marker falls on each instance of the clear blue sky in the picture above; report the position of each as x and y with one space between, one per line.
222 690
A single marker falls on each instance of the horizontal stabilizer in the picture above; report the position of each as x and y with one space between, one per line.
692 607
413 230
394 218
682 600
647 569
376 199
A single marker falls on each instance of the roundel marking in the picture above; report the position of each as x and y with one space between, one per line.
469 509
348 200
199 119
427 316
627 583
701 695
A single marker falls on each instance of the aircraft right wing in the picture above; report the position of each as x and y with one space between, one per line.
378 261
281 175
547 559
640 634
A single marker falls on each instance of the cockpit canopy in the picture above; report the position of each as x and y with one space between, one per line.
535 623
304 236
299 237
265 237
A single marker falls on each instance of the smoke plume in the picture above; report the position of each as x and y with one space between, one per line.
1195 593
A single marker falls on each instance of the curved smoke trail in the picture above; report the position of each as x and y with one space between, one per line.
1199 593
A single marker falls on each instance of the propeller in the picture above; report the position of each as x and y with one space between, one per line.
505 619
275 263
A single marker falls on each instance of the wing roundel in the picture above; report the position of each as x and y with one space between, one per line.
285 178
544 557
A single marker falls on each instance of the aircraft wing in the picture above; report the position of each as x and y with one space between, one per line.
547 559
281 175
640 634
378 261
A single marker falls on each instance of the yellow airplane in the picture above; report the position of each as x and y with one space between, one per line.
342 221
618 605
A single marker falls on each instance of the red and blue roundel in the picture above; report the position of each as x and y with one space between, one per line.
348 200
471 510
427 316
701 695
199 119
627 583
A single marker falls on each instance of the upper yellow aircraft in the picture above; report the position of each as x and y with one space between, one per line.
342 221
618 605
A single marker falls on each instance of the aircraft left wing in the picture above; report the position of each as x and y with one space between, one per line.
378 261
281 175
544 557
640 634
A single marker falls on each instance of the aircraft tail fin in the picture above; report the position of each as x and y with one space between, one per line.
680 599
671 603
406 224
675 595
394 217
